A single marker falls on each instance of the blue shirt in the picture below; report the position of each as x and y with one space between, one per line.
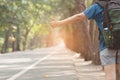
95 12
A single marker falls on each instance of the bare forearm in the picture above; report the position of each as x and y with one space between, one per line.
72 19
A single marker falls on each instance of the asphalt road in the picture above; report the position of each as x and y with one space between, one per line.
40 64
56 63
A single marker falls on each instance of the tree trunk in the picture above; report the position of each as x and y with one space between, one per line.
18 39
25 39
6 41
94 34
79 39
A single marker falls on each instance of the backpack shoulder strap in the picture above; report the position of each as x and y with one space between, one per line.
104 4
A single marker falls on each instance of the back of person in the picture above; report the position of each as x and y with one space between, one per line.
107 55
111 23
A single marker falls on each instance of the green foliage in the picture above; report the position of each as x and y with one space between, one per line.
30 17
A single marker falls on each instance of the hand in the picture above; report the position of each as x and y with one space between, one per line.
54 24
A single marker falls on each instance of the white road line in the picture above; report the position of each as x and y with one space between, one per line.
27 69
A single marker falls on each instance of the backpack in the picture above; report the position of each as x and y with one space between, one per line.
111 23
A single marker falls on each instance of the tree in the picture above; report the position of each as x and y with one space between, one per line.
18 18
77 37
94 36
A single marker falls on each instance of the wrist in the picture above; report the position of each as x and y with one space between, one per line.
58 23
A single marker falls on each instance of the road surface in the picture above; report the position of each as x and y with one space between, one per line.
55 63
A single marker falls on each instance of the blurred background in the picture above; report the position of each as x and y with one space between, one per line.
25 24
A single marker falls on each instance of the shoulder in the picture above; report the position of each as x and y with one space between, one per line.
93 10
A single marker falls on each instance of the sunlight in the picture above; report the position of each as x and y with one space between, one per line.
60 43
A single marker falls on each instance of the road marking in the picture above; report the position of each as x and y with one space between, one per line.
28 68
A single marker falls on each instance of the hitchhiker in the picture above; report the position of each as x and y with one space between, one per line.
107 31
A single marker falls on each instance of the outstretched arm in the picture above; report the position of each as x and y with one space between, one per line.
69 20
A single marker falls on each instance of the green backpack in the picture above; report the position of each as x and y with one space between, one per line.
111 23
